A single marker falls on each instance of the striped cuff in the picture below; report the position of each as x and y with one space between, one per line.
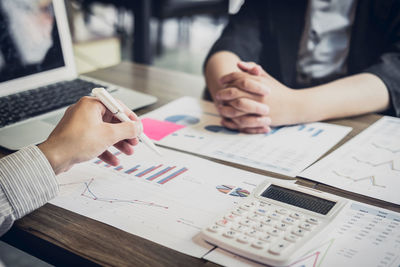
27 180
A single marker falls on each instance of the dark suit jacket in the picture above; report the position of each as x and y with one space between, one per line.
269 32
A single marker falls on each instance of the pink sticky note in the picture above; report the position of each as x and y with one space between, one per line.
157 130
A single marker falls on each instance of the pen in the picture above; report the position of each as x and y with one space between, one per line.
115 108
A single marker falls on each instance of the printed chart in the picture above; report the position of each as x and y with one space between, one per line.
88 192
233 190
193 125
369 164
362 235
159 173
165 199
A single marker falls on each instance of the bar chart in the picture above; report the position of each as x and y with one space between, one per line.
311 130
160 174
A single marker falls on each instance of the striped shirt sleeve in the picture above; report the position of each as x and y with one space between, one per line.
27 182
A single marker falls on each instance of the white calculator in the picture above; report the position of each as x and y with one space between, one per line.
273 222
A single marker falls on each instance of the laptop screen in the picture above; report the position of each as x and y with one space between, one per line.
29 39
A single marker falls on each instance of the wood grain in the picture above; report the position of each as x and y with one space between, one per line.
76 239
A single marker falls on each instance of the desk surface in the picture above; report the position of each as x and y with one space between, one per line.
62 237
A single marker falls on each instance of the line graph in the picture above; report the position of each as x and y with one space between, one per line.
389 162
88 193
394 151
368 164
370 177
316 256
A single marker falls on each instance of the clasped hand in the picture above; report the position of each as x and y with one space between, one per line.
252 101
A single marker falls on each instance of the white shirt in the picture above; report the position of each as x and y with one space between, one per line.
325 42
27 182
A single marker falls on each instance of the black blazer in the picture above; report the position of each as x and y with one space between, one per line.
268 32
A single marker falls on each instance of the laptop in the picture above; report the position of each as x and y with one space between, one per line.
38 79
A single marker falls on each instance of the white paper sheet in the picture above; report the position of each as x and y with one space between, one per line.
167 206
286 150
369 164
362 235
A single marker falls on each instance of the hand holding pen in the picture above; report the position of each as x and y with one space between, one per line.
117 110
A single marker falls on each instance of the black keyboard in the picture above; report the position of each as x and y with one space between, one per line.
27 104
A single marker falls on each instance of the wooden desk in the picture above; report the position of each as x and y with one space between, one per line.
65 238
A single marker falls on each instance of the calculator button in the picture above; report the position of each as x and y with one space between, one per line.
274 232
231 217
254 203
274 216
298 232
223 222
282 211
267 238
239 212
214 229
312 221
291 238
261 212
305 226
253 233
244 239
255 217
258 244
240 228
230 234
246 207
281 226
296 215
261 227
267 221
263 204
288 220
247 222
279 247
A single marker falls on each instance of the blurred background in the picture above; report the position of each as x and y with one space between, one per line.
172 34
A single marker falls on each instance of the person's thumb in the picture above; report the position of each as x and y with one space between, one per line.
246 66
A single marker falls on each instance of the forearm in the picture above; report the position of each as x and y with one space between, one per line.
350 96
27 182
219 65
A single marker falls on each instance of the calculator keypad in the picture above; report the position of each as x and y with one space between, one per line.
260 226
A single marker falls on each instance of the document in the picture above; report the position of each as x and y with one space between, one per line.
361 235
193 125
167 199
369 164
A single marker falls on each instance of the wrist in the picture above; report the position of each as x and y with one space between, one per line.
217 66
56 156
314 106
290 110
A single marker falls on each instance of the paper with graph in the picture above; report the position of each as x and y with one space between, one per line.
361 235
165 199
369 164
193 125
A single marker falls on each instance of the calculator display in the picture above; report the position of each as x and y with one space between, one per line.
299 199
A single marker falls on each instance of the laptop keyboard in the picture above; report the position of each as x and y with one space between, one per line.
27 104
